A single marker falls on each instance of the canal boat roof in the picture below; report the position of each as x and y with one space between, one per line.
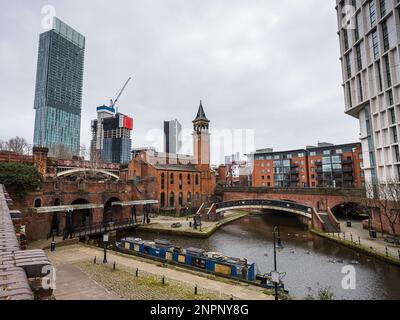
195 251
163 242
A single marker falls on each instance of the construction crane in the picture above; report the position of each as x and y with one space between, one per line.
113 103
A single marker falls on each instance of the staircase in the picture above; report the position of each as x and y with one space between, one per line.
328 225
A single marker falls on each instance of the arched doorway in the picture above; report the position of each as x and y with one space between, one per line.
349 211
38 203
112 213
83 217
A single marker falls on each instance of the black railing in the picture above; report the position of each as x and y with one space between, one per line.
268 203
102 227
306 191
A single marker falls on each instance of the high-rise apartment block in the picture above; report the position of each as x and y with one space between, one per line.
172 137
58 94
369 33
111 136
324 166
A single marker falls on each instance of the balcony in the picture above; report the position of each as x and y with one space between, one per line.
347 161
348 170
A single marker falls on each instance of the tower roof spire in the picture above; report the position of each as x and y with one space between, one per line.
201 115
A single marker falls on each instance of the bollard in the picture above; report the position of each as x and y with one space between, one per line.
231 297
195 289
163 280
53 247
359 241
137 272
114 266
95 260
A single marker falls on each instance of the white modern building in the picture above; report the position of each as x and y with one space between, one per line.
369 33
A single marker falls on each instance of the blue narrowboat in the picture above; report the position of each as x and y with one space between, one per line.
195 258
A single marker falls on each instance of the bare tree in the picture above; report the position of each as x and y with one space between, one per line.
384 199
391 204
18 145
3 145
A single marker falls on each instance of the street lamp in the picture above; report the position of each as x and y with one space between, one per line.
275 274
105 243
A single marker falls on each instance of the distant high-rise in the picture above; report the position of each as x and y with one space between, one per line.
58 94
111 142
172 137
369 48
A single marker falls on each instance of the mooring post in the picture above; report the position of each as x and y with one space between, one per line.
114 265
163 280
195 289
137 272
95 260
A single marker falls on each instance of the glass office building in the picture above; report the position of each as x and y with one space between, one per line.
58 94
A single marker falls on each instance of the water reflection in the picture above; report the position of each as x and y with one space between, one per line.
308 260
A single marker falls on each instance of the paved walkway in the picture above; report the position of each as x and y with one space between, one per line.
74 284
377 244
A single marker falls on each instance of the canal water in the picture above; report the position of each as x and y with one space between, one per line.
309 262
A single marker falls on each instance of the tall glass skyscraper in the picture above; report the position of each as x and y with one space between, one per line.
58 95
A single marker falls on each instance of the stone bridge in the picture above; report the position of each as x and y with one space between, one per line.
317 205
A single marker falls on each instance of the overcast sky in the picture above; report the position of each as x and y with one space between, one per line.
270 66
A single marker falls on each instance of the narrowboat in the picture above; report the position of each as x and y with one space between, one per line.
193 258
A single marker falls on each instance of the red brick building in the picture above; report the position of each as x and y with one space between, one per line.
178 181
329 166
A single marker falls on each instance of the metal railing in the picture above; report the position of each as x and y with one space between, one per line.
358 241
103 227
307 191
267 203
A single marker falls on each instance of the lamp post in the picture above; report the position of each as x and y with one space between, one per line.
275 276
105 243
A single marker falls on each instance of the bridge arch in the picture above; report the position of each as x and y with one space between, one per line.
81 217
76 171
348 209
277 205
112 213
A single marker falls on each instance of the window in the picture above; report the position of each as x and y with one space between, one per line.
378 70
162 200
171 200
397 153
348 66
385 34
339 151
382 7
388 74
313 154
372 12
357 30
375 44
181 199
171 179
346 39
189 197
360 89
180 181
392 116
390 98
358 58
197 179
189 179
162 181
395 136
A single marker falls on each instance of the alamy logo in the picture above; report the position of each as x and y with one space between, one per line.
49 280
349 280
49 13
348 17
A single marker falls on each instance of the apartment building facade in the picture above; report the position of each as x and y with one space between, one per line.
324 166
369 33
